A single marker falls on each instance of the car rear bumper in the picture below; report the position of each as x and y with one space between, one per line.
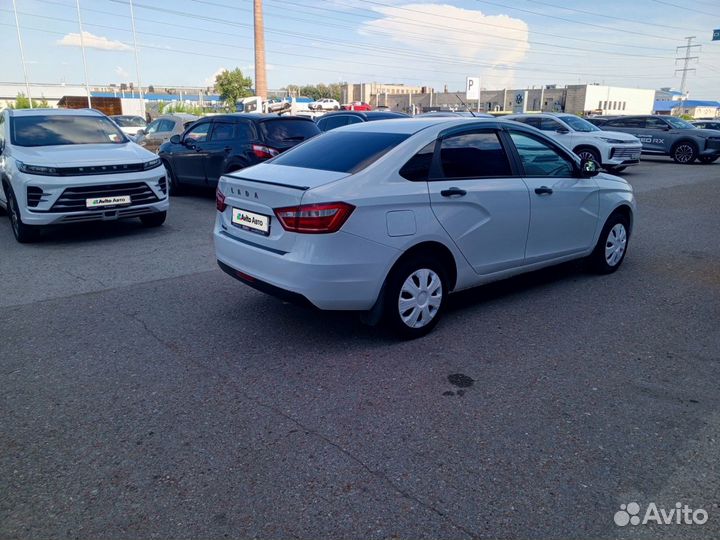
338 271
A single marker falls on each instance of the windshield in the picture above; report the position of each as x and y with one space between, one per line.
579 124
56 130
285 133
129 121
679 123
341 151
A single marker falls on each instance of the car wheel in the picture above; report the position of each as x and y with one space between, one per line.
615 170
336 108
706 160
416 293
684 153
175 187
23 233
589 153
153 220
609 253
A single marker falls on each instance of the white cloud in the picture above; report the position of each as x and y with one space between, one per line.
464 35
93 42
210 81
122 73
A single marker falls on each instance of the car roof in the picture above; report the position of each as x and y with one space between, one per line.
367 114
54 112
410 126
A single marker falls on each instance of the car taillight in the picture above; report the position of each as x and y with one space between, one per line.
314 218
220 200
264 152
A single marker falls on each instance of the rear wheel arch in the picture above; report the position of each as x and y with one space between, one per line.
437 251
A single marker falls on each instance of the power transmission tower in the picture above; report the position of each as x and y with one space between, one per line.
686 61
260 74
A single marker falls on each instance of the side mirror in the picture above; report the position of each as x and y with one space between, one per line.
140 132
562 130
666 128
589 168
176 139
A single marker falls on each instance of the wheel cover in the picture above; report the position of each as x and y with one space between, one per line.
684 153
420 298
12 207
615 244
585 154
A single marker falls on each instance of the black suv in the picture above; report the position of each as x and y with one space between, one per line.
217 145
344 118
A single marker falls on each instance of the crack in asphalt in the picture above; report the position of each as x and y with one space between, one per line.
377 474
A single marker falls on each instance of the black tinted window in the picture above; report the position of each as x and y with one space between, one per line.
539 158
225 131
332 122
55 130
473 155
199 133
285 132
341 151
418 168
626 123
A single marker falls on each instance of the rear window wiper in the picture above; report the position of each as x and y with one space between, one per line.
298 138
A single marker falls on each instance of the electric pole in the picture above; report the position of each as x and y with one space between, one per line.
260 75
686 61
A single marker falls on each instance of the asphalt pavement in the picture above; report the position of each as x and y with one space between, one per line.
146 394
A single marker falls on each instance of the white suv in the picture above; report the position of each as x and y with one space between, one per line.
67 166
612 150
325 104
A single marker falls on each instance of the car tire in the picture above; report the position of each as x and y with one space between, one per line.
23 233
153 220
684 152
589 153
174 186
611 248
706 160
420 283
615 170
336 108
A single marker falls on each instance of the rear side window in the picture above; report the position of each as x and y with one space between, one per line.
284 132
473 155
332 122
626 123
341 151
418 168
227 131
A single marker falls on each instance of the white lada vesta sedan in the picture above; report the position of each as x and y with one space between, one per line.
390 217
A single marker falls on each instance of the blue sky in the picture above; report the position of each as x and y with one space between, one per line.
508 43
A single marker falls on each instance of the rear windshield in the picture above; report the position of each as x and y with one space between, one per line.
288 132
56 130
341 151
129 121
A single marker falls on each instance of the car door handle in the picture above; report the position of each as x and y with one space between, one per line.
543 190
453 192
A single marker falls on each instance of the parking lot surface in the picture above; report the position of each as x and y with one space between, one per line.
146 394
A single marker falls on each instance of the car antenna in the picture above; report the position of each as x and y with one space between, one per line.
465 105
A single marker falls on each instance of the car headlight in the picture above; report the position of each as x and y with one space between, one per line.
152 164
36 169
612 141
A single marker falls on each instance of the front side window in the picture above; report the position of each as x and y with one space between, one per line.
627 123
166 125
655 123
333 122
153 127
473 155
540 158
199 133
579 124
57 130
549 124
678 123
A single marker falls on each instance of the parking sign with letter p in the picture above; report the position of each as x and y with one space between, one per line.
472 88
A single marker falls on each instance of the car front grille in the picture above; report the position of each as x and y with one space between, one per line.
73 199
100 169
625 153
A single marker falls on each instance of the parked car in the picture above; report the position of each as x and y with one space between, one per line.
599 120
162 128
345 118
68 166
130 125
670 136
390 217
706 124
613 151
221 144
450 114
356 106
325 104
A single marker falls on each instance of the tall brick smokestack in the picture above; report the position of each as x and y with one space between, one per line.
260 75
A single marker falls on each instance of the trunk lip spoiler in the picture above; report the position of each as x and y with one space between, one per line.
268 182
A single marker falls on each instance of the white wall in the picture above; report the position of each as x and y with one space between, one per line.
620 101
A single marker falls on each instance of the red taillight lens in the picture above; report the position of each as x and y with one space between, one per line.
314 218
220 200
264 152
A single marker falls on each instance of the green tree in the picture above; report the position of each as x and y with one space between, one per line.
233 86
317 91
22 102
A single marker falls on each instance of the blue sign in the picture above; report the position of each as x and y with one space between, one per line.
716 35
